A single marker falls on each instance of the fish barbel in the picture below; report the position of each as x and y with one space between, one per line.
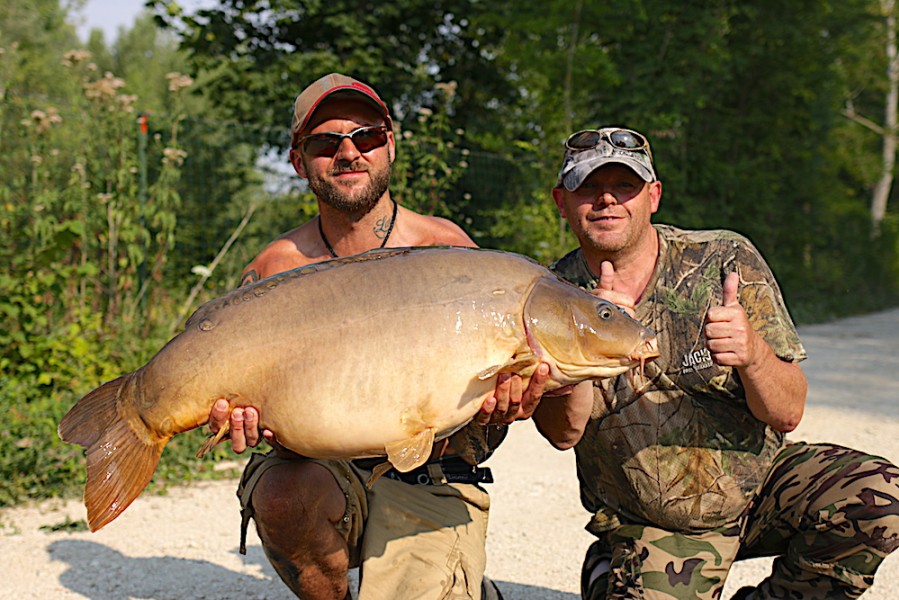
373 355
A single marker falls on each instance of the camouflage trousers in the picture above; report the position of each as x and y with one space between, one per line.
829 515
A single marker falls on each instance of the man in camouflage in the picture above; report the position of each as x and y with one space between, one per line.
686 469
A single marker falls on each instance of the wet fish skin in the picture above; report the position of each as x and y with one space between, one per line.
365 356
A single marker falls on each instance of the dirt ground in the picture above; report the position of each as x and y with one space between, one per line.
184 545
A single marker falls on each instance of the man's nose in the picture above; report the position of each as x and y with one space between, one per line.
347 150
604 197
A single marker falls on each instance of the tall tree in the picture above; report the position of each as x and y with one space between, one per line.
885 33
259 54
741 100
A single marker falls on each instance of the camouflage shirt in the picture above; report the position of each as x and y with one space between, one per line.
683 452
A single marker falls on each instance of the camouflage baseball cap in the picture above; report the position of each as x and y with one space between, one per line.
588 150
312 97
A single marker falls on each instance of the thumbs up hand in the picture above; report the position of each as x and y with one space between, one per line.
606 289
729 336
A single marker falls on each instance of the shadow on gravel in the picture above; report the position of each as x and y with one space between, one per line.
98 572
517 591
101 573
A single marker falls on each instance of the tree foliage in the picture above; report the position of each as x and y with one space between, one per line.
744 103
88 210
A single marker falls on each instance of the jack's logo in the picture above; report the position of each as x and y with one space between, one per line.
696 361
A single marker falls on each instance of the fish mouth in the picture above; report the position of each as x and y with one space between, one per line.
630 363
646 351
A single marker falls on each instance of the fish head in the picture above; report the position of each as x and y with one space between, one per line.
581 336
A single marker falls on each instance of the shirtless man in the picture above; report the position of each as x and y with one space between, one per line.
424 531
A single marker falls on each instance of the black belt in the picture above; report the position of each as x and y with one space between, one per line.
450 469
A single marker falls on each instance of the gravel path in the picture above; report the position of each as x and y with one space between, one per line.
184 545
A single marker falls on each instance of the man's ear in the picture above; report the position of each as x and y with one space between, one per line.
655 196
558 197
391 147
296 159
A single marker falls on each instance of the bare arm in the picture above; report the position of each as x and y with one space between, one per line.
775 390
562 419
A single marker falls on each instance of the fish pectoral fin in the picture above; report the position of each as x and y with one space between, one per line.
411 453
214 439
516 364
405 455
377 472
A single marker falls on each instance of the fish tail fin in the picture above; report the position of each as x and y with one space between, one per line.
120 461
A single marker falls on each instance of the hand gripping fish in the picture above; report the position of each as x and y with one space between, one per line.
373 355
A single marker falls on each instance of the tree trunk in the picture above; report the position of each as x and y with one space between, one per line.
568 91
885 184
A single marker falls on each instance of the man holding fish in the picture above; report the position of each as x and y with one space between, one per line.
690 471
425 530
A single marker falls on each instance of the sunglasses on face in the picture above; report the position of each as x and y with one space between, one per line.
365 139
623 139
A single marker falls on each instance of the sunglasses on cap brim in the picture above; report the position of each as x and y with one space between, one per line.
365 139
623 139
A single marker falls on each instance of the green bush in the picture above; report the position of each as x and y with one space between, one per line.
87 238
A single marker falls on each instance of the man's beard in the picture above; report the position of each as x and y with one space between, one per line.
359 202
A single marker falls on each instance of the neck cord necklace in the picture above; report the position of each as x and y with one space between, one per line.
321 231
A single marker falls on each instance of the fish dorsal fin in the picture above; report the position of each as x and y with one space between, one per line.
259 288
523 364
411 453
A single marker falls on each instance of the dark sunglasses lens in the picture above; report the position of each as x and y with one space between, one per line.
369 139
627 140
584 139
325 144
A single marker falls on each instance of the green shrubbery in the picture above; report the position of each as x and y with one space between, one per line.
86 239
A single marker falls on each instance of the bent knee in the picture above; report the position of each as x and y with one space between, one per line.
297 492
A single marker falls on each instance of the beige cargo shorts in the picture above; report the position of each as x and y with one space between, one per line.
410 540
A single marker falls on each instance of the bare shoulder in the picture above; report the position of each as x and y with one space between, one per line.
293 249
426 230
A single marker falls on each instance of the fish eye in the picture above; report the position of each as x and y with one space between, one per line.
605 313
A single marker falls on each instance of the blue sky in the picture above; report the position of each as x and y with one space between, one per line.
109 15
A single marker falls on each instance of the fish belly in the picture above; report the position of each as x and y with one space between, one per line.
372 353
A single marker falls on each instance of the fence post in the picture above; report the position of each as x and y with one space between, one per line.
142 132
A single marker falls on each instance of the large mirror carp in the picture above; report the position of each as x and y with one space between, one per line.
373 355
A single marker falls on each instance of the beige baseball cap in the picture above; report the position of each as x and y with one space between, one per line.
316 93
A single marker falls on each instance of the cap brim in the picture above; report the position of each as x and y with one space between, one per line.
351 88
573 175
